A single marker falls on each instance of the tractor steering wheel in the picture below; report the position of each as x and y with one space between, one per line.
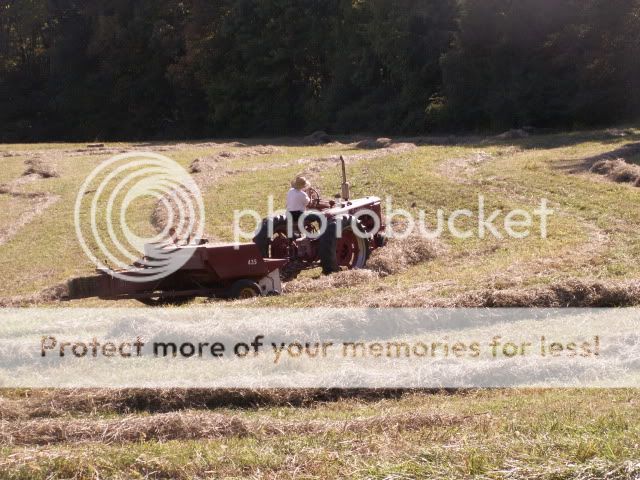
314 195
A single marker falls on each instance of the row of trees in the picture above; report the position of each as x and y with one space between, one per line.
101 69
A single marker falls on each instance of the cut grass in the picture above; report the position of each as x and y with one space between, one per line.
488 434
592 234
517 434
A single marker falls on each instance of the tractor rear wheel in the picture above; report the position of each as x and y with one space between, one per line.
243 289
276 245
348 249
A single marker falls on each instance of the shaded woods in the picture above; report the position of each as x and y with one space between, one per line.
117 69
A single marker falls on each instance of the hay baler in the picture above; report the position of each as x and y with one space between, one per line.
228 271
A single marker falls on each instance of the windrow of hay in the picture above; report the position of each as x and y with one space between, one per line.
36 166
201 164
6 189
102 149
49 403
568 293
437 140
598 163
190 425
393 258
38 203
400 254
207 171
592 469
316 138
344 279
384 423
618 170
160 427
513 134
626 151
49 294
172 205
368 143
460 169
620 132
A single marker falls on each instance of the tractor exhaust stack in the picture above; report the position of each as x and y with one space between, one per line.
345 184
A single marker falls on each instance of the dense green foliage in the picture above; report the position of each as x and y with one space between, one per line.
149 68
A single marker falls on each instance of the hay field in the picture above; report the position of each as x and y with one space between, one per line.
589 259
541 434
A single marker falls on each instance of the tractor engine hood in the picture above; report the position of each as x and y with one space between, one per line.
350 206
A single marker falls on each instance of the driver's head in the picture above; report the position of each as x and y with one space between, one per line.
299 183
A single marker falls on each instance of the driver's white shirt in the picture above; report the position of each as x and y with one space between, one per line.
297 200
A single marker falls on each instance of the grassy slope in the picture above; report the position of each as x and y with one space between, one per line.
529 434
591 235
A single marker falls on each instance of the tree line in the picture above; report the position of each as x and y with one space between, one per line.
120 69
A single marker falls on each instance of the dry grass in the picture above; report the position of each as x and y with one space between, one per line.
507 434
203 164
393 258
463 168
207 171
54 293
36 166
592 470
37 203
188 425
32 404
160 427
344 279
171 206
369 143
618 170
568 293
400 254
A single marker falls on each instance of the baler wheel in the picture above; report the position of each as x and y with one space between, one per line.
160 301
243 289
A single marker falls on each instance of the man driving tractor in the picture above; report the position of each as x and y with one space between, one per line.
297 198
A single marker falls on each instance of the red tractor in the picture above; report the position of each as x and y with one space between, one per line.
354 228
